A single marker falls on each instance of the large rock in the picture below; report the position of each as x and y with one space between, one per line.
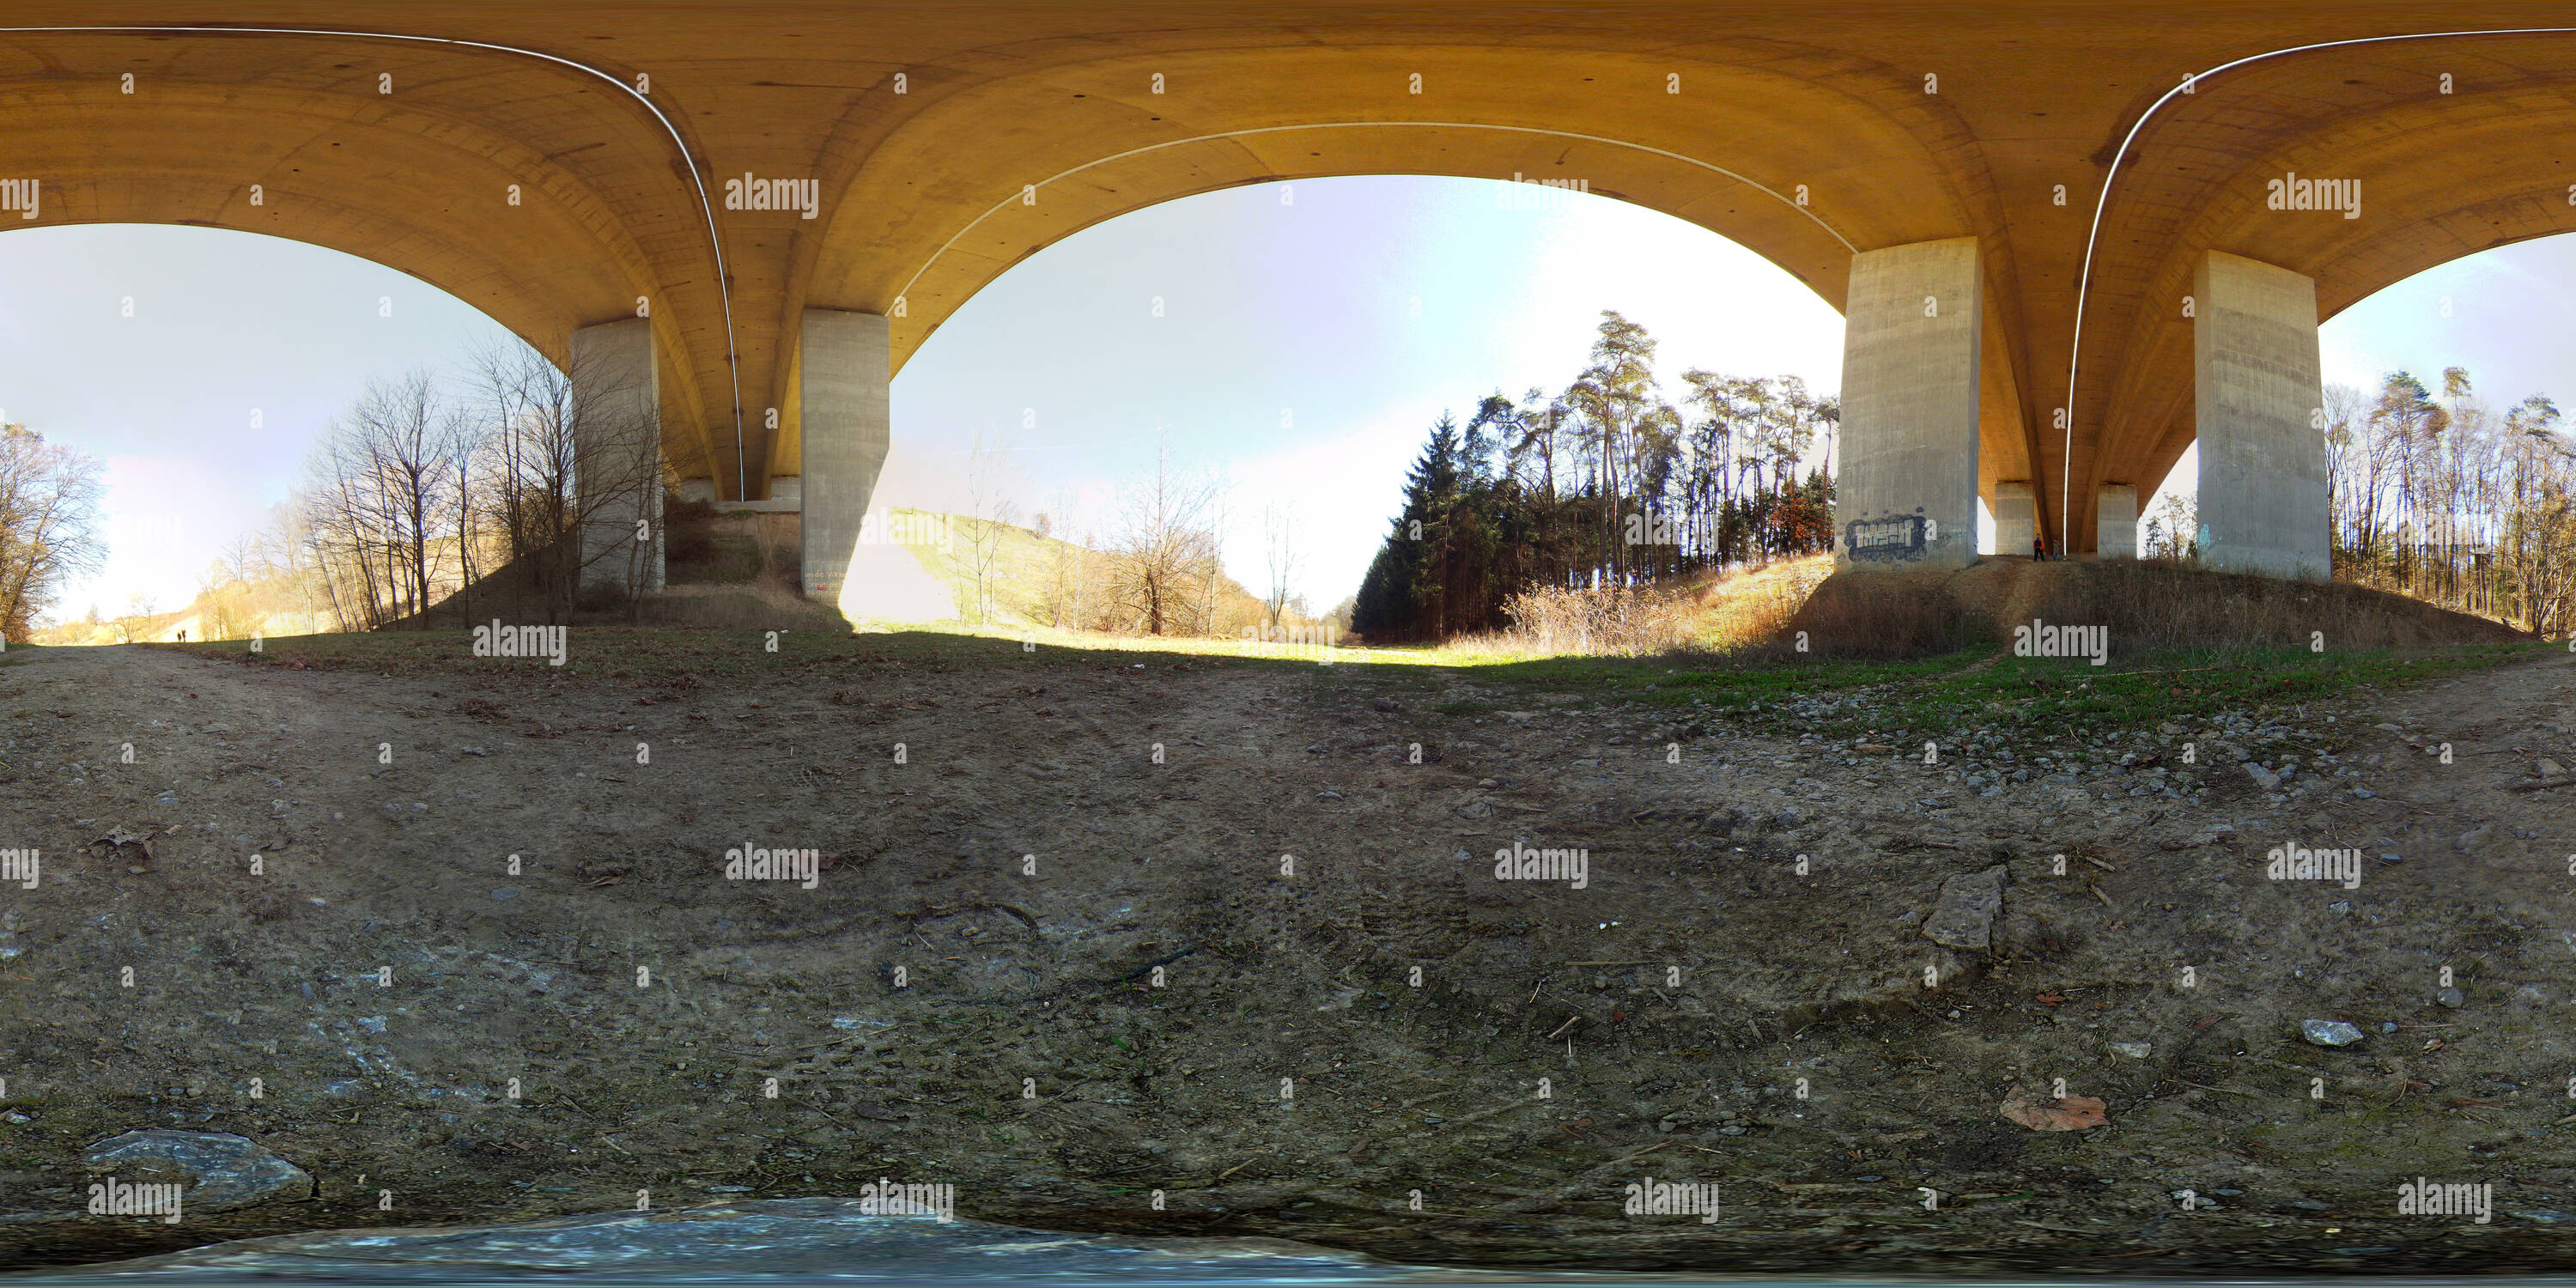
221 1170
1965 915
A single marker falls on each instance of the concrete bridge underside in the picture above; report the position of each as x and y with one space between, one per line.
1933 173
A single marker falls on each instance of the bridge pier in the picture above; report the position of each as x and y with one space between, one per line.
617 454
2016 517
2115 521
844 370
2263 486
1907 495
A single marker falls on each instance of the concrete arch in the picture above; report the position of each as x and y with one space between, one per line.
1913 129
933 212
418 180
2441 176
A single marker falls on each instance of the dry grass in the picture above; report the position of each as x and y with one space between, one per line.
766 604
1715 613
2147 604
1883 615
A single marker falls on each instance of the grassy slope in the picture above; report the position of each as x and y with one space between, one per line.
1024 567
1935 697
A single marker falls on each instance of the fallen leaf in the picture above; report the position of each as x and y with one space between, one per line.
2050 998
2068 1113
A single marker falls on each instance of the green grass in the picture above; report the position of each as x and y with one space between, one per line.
22 654
1971 688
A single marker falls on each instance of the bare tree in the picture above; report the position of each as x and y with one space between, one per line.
1278 532
1167 550
989 475
1069 559
467 436
402 432
574 477
243 559
49 499
140 609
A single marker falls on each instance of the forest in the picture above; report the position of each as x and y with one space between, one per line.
1606 485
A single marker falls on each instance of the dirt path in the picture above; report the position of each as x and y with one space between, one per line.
970 991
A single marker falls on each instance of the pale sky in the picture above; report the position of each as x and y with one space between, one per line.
1310 334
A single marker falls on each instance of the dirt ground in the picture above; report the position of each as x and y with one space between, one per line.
970 992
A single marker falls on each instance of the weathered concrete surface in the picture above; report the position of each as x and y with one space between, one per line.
2263 486
843 377
617 452
1907 495
2016 517
2116 521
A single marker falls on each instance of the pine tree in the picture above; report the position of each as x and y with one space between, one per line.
1405 594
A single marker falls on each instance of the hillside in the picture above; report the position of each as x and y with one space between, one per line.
263 610
1029 578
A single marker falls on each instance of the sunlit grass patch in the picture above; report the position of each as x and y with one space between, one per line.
1987 686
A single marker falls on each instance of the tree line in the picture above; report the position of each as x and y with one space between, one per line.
1606 486
491 486
2451 499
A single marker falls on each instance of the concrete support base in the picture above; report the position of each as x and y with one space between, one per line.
1907 495
2016 517
2263 487
844 367
617 455
2115 521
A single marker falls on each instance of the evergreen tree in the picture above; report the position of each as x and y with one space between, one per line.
1487 514
1406 589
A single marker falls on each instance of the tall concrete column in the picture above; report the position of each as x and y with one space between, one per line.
844 367
1907 493
2115 521
2263 488
617 454
2016 517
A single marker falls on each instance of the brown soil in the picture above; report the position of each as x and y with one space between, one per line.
1672 1009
